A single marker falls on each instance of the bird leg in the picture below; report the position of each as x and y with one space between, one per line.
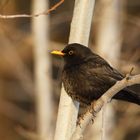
80 118
92 109
87 109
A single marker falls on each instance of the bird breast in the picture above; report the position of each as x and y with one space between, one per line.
74 86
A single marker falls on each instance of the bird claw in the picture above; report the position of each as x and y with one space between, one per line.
92 110
81 118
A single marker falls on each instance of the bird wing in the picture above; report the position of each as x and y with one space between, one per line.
100 75
103 76
98 66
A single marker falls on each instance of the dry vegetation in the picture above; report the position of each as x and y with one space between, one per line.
17 107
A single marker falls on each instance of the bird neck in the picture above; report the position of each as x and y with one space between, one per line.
73 64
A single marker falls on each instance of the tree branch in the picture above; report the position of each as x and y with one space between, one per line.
32 15
97 106
79 33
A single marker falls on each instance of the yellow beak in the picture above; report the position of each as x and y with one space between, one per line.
58 53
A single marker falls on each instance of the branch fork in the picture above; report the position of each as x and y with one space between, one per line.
104 99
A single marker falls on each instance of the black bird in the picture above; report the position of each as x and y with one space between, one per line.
86 76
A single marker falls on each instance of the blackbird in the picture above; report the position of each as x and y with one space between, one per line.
87 76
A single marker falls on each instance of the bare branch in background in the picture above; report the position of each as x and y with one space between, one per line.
32 15
109 47
110 30
44 106
97 106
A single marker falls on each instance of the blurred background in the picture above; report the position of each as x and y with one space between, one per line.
18 100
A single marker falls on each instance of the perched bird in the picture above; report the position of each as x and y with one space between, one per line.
87 76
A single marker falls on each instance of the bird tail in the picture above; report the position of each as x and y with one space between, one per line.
128 95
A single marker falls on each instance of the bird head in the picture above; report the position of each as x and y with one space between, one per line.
74 53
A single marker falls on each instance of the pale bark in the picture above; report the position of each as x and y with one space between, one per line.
80 30
108 46
42 70
109 30
101 102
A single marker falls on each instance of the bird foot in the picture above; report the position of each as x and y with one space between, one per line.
81 118
92 110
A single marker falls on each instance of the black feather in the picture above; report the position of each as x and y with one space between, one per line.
86 76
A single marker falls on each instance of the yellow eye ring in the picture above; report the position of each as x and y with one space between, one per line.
71 52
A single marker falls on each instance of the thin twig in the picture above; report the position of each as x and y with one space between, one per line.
32 15
54 7
89 115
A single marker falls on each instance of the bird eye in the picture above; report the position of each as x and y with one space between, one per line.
71 52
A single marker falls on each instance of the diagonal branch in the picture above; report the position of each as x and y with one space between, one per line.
32 15
90 114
